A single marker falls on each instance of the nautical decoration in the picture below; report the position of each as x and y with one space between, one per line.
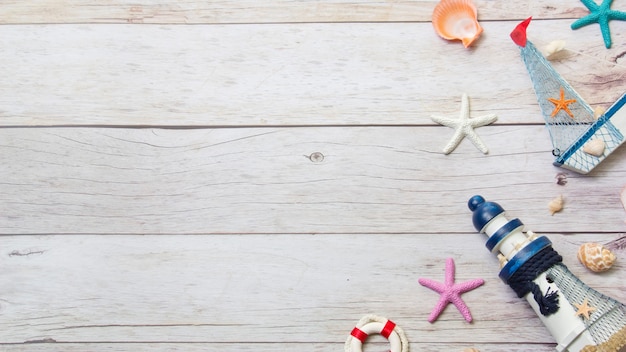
594 147
561 179
553 49
457 20
372 324
596 257
556 205
464 127
450 292
578 317
584 310
600 14
569 119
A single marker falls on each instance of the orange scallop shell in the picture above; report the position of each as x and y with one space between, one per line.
457 20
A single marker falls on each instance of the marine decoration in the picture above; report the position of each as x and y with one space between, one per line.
556 205
600 14
553 50
450 292
561 104
596 257
579 318
584 310
594 147
561 179
464 126
457 20
373 324
570 121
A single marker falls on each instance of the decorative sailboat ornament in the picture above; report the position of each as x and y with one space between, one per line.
580 141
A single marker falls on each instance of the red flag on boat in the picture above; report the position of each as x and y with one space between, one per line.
519 33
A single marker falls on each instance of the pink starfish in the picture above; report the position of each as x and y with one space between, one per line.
450 292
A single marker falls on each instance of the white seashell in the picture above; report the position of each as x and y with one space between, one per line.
594 147
556 205
552 50
596 257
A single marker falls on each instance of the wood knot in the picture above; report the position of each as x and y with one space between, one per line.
316 157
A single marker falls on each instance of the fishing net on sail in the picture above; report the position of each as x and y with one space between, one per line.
569 119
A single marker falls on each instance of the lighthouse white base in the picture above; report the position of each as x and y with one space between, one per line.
565 326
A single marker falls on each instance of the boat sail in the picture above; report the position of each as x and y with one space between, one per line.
569 119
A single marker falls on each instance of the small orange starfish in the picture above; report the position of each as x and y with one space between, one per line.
561 104
584 309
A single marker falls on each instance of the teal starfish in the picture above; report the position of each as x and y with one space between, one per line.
600 14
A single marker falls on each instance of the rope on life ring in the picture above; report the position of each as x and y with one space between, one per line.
372 324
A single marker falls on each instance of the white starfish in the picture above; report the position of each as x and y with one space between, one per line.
464 127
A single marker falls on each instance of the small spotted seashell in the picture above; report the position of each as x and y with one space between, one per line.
594 147
596 257
561 179
556 205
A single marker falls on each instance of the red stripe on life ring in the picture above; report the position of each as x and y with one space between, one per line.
388 329
359 334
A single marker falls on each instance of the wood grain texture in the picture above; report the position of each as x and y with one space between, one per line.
271 11
269 180
261 347
261 289
258 175
285 74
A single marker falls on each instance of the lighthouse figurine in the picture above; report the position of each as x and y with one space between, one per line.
578 317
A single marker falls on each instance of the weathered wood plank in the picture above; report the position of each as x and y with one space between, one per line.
254 289
288 74
274 11
264 347
272 180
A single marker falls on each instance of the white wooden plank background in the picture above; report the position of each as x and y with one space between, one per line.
275 11
284 74
260 288
263 180
262 177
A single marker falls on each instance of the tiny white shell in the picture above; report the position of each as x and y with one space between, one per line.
596 257
594 147
553 48
556 205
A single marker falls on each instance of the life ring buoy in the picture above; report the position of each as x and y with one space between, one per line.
372 324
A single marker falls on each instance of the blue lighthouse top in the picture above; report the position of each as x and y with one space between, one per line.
484 211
